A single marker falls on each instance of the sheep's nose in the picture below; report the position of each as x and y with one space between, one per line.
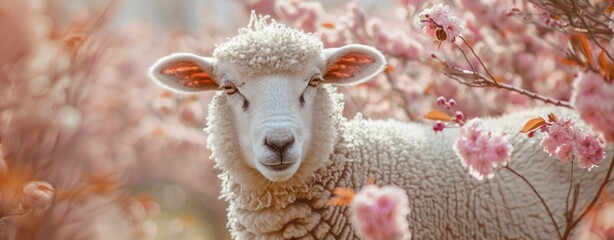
278 144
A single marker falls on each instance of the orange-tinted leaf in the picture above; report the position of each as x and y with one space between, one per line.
533 124
158 132
166 94
607 68
429 89
389 68
342 197
370 181
328 25
552 117
569 61
581 45
499 79
102 184
190 99
438 115
186 220
609 9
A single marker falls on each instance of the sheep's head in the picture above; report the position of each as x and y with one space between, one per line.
270 75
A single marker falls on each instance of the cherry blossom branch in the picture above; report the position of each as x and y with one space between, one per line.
538 196
480 60
591 33
568 9
478 80
465 56
592 203
401 93
574 204
568 214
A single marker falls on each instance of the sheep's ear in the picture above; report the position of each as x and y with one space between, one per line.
184 72
352 64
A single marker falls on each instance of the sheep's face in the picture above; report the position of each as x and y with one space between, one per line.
273 113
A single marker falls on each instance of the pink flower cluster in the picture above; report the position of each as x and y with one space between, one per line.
567 142
593 97
438 23
480 150
381 213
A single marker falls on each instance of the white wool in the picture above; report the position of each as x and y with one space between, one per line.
446 202
265 48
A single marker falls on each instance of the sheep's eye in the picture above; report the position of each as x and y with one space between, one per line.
315 80
230 88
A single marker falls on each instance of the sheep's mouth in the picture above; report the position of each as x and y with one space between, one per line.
278 167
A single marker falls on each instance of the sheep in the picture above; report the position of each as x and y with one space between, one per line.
276 131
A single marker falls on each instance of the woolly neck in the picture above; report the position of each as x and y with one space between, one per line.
246 186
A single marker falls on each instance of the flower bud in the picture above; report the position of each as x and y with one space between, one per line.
459 116
452 103
441 101
438 126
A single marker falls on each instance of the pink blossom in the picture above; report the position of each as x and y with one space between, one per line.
590 151
37 194
439 17
567 142
558 133
593 97
611 22
481 151
381 213
564 152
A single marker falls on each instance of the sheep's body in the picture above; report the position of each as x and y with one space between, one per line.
446 202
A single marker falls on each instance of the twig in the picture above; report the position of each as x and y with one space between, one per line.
466 58
556 226
482 81
480 60
592 204
592 34
568 214
401 93
576 194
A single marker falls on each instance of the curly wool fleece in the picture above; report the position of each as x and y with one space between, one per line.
265 48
